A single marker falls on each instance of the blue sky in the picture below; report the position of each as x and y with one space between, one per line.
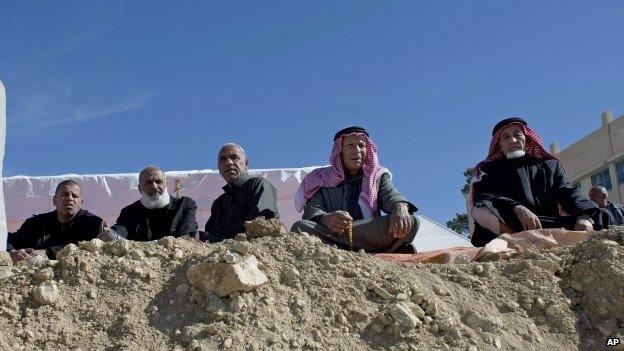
112 86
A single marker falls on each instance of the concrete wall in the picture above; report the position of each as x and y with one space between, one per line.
3 227
598 150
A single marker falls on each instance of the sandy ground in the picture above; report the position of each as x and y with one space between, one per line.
136 296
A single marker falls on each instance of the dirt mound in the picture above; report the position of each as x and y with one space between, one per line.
136 296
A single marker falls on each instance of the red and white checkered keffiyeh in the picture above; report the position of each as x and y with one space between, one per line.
533 146
331 176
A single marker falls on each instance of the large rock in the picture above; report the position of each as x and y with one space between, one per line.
5 259
402 315
261 226
223 278
46 293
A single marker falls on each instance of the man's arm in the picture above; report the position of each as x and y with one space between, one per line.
120 229
484 195
315 208
188 222
570 197
388 196
263 201
26 236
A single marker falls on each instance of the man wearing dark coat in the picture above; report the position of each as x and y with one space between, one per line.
156 214
350 194
600 196
244 198
50 232
524 187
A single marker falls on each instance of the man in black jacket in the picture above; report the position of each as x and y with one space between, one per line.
525 187
51 231
156 214
244 198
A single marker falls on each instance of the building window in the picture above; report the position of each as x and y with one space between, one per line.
619 169
602 178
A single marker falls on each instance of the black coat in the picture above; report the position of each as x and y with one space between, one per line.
45 232
138 223
539 185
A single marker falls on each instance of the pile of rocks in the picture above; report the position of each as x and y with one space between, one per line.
271 290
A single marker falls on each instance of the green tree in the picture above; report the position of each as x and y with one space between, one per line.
468 177
459 224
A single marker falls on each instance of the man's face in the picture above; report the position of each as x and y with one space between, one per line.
153 183
353 152
68 200
598 197
512 139
232 163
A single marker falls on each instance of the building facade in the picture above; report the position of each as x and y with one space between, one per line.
598 158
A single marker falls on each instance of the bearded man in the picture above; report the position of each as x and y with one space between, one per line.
352 192
520 186
156 214
244 198
50 232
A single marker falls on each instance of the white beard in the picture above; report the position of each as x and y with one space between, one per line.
515 154
158 201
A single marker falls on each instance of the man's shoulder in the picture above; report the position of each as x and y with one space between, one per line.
135 206
257 181
184 200
88 216
41 217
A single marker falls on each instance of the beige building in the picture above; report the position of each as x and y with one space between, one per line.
598 158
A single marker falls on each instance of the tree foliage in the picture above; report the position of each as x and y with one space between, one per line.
459 224
467 177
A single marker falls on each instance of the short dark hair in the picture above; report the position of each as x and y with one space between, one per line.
67 182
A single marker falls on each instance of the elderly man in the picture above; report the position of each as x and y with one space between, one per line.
244 197
156 214
520 187
600 196
50 232
351 193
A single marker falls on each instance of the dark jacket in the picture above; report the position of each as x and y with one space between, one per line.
138 223
244 199
539 185
344 197
45 232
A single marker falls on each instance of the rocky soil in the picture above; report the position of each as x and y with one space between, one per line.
270 291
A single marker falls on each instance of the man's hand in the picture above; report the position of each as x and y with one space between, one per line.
400 220
336 221
528 219
583 225
21 254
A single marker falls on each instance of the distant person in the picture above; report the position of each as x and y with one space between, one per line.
354 190
156 214
244 198
521 187
600 196
50 232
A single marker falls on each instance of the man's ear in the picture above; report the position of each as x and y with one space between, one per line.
246 162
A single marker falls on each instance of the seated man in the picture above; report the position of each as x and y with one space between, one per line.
523 187
156 214
352 191
600 196
244 197
51 231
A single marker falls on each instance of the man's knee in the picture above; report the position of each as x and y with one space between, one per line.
303 225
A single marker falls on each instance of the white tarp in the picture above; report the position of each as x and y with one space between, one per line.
106 194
